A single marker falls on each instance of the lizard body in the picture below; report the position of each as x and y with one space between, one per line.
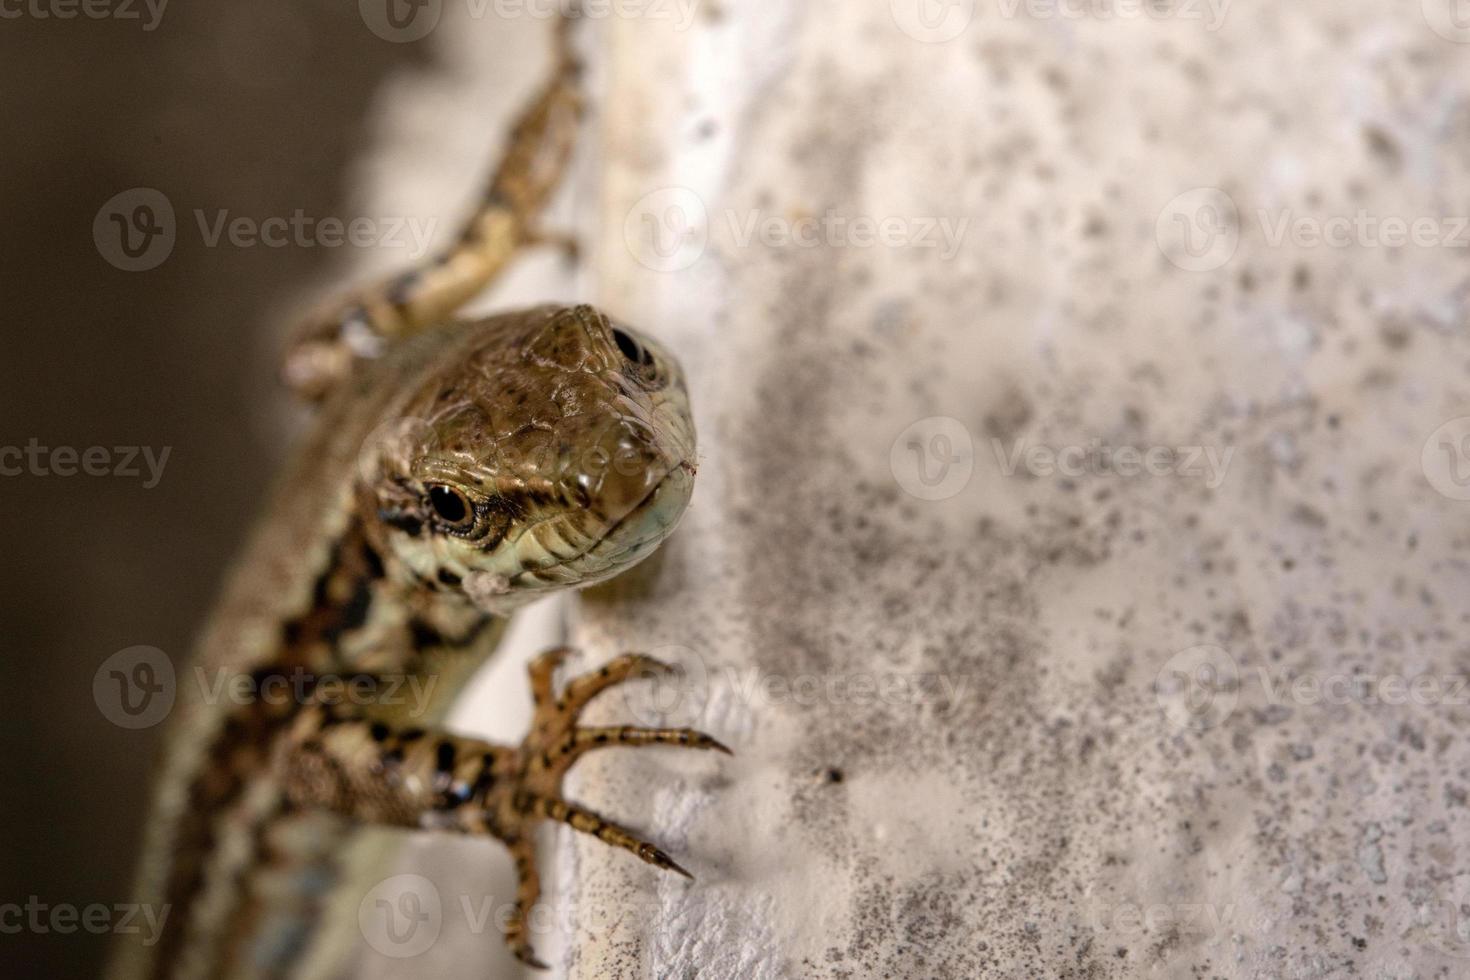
456 471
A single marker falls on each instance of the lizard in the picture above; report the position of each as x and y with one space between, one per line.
457 470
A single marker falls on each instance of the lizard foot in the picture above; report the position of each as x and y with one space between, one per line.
555 742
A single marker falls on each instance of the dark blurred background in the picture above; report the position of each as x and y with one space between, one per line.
254 107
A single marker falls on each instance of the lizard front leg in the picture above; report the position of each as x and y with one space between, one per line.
337 759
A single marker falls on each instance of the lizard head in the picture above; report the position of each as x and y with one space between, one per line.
549 449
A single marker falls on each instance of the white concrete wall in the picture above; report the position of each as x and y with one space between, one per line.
1092 725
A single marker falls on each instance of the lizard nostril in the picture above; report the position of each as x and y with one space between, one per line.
630 348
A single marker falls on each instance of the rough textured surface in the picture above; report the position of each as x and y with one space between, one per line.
1085 798
1201 722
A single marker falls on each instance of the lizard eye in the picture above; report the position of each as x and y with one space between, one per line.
452 507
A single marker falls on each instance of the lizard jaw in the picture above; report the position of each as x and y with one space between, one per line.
624 543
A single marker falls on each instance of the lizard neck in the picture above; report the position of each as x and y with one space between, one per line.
370 614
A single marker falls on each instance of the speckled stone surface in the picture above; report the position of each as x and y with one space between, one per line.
1196 712
1078 564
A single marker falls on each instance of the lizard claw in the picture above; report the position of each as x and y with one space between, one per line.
555 742
527 957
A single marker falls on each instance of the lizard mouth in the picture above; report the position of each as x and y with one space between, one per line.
684 471
618 546
649 522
